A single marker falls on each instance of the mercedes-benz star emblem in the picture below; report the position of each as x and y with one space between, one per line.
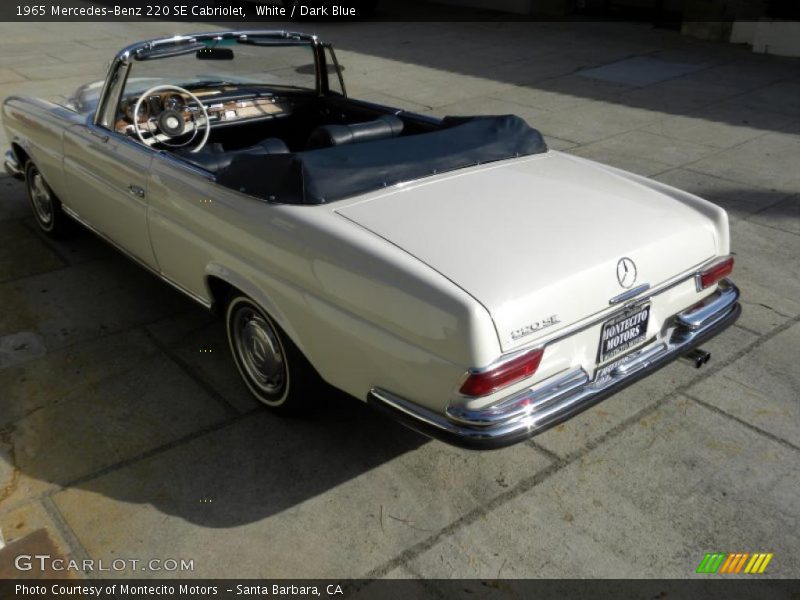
626 272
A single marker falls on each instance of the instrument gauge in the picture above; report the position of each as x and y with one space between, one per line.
144 111
174 102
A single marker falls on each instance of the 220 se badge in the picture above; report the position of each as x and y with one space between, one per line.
434 268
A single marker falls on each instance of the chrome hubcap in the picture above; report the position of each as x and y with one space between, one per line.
41 199
259 350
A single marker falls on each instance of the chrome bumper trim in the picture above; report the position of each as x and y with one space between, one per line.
550 402
712 307
12 165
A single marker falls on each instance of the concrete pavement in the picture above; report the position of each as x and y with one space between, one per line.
125 432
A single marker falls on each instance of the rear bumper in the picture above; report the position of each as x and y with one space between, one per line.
555 400
12 165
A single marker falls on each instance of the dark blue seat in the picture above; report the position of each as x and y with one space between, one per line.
325 136
214 157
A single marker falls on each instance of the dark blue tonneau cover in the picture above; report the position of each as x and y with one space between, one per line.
328 174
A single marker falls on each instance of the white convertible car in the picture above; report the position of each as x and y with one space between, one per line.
453 272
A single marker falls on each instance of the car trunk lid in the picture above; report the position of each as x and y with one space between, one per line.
537 241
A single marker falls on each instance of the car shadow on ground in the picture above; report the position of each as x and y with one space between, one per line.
152 411
258 465
235 468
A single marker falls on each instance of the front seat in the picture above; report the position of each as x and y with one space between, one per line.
214 157
326 136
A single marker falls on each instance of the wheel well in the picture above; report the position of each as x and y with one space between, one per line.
21 155
220 290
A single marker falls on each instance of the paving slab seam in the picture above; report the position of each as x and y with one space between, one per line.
159 449
657 173
192 374
106 333
76 548
774 227
548 454
756 187
501 499
748 330
8 428
157 347
768 307
684 387
529 483
664 172
687 166
417 549
763 432
718 149
563 139
132 460
781 195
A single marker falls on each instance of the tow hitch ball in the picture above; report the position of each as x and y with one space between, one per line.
697 357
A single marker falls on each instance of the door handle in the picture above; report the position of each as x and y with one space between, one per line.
100 136
136 191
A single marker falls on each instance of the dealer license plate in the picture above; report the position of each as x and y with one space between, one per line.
622 333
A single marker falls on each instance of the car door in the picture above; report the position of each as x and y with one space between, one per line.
106 185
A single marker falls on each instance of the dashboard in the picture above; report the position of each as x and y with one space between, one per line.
224 107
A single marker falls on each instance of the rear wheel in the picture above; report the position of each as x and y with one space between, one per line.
274 369
47 211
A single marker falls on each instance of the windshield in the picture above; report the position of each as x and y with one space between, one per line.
280 66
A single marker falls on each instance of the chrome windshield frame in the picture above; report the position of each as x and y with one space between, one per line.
106 110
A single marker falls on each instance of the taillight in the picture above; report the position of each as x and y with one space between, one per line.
714 273
506 373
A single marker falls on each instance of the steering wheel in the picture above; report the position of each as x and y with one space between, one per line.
170 123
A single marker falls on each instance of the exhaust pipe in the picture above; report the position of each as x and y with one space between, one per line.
697 357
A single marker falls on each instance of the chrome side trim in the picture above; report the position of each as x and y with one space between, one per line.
632 293
12 165
550 402
199 299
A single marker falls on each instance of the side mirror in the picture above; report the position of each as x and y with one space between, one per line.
214 54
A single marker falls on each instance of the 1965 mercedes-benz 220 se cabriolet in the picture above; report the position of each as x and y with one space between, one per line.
453 272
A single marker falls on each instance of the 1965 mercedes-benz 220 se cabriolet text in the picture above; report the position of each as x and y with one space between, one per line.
453 272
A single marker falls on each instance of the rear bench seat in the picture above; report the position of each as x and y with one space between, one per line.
381 128
214 157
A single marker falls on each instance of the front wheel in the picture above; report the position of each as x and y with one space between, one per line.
47 210
274 369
